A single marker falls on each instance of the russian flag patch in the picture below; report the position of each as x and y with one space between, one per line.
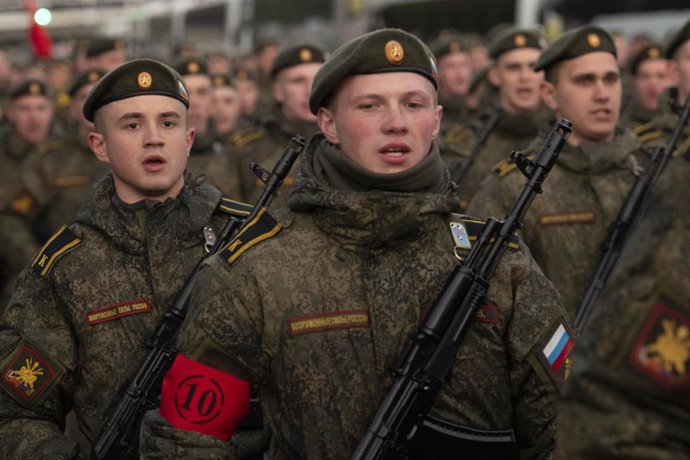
554 352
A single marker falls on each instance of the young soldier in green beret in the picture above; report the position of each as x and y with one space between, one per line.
226 106
53 182
293 74
247 83
629 393
593 174
650 78
77 324
194 72
514 53
313 309
105 53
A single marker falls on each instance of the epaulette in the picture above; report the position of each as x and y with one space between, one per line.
472 228
260 228
458 134
647 132
48 146
62 242
247 136
234 208
503 167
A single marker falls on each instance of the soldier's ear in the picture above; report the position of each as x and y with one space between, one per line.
98 146
326 120
547 90
492 76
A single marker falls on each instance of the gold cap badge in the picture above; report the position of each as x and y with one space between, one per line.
593 40
394 52
93 76
520 40
218 82
242 74
654 53
454 47
34 88
144 80
193 67
305 55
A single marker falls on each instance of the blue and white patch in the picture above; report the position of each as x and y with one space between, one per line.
460 236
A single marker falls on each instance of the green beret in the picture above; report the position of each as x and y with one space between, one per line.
515 38
677 40
303 54
646 53
243 73
85 78
100 45
135 78
449 44
30 87
191 65
384 50
575 43
219 81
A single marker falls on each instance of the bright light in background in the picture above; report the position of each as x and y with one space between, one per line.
43 16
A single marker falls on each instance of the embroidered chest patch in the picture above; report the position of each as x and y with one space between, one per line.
120 310
661 351
320 322
566 218
28 373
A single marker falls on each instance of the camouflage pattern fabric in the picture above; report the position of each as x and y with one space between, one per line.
316 314
629 394
566 226
77 324
204 150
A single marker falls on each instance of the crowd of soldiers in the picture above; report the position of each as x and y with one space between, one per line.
120 172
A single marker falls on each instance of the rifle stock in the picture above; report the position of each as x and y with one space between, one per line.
426 361
628 214
119 438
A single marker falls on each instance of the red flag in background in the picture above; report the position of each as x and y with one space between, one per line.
38 35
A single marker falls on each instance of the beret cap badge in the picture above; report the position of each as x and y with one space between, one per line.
93 76
305 55
394 52
144 80
34 88
520 40
654 53
593 40
454 47
193 67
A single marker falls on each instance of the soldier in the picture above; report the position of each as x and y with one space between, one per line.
629 394
53 181
650 78
105 53
226 106
293 74
452 53
78 321
593 173
661 127
315 315
247 86
514 53
194 71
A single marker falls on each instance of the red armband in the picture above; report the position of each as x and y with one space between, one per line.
196 397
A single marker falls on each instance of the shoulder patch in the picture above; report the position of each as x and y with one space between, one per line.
62 241
259 229
234 208
504 167
28 373
247 136
466 227
48 146
458 134
553 353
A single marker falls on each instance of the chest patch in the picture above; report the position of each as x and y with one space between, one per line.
661 351
28 373
566 218
320 322
120 310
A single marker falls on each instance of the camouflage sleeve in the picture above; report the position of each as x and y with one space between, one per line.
221 331
536 314
38 364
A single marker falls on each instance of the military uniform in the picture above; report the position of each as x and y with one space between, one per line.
566 226
629 394
76 327
314 308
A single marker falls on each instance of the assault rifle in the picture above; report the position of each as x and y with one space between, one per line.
427 358
627 215
119 438
487 129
